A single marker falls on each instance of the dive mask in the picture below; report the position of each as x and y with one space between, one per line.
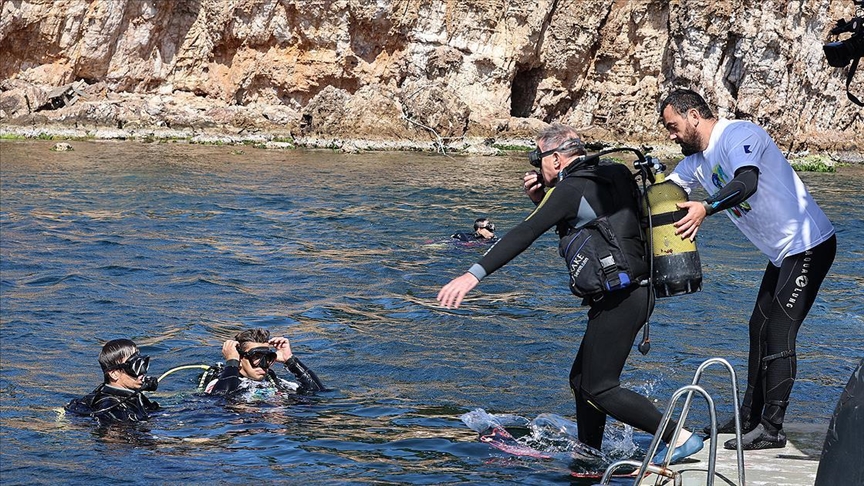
260 357
535 157
136 365
485 225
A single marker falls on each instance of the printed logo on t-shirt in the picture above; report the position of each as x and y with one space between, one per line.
719 178
747 149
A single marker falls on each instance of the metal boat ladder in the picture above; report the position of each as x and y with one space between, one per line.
663 469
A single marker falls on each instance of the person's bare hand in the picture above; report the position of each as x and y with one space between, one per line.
230 351
283 349
688 226
451 295
532 184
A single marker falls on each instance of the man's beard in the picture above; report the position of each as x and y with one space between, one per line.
690 142
689 149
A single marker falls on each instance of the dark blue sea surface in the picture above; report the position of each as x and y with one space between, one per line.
178 247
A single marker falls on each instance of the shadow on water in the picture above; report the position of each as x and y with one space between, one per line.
178 247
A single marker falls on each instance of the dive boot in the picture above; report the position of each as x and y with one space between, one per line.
688 448
758 439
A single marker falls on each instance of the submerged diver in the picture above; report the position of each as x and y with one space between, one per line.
119 398
580 194
484 230
248 358
750 180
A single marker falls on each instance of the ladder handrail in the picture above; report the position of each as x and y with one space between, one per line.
737 413
694 387
664 422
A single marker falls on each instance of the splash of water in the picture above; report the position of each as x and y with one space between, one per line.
548 436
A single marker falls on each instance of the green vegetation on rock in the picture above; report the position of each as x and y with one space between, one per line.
814 163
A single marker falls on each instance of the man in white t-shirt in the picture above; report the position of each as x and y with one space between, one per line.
749 179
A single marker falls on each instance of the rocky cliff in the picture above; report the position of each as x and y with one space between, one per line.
421 73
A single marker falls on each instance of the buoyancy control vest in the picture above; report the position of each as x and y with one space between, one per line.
112 404
607 253
675 276
673 263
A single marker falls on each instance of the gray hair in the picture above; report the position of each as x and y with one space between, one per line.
564 138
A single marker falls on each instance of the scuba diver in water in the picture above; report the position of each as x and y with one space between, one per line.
579 194
484 230
248 358
119 398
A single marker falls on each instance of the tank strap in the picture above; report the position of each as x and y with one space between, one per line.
209 375
663 219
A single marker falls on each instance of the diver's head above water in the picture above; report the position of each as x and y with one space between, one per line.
122 364
483 228
256 352
249 357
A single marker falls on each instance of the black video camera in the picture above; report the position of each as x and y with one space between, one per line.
841 53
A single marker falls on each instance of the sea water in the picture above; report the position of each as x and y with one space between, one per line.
179 246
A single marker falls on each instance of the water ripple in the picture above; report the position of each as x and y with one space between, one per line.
180 247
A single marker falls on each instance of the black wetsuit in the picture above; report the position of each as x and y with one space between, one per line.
231 382
786 295
468 237
111 404
613 321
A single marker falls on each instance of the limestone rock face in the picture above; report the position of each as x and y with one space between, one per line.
438 73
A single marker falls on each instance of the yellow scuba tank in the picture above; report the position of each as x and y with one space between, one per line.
677 269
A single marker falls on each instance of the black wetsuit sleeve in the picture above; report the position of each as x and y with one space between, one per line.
309 382
81 406
560 204
736 191
229 380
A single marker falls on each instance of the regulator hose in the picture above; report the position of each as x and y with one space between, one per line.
183 367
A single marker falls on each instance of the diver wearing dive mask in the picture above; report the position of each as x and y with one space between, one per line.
484 230
248 361
120 397
136 367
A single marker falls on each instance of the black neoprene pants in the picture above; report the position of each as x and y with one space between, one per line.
613 324
785 297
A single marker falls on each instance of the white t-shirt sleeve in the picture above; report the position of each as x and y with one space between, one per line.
744 145
684 175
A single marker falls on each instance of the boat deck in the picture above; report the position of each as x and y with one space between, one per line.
794 465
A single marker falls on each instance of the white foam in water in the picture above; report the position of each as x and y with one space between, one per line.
480 421
556 435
